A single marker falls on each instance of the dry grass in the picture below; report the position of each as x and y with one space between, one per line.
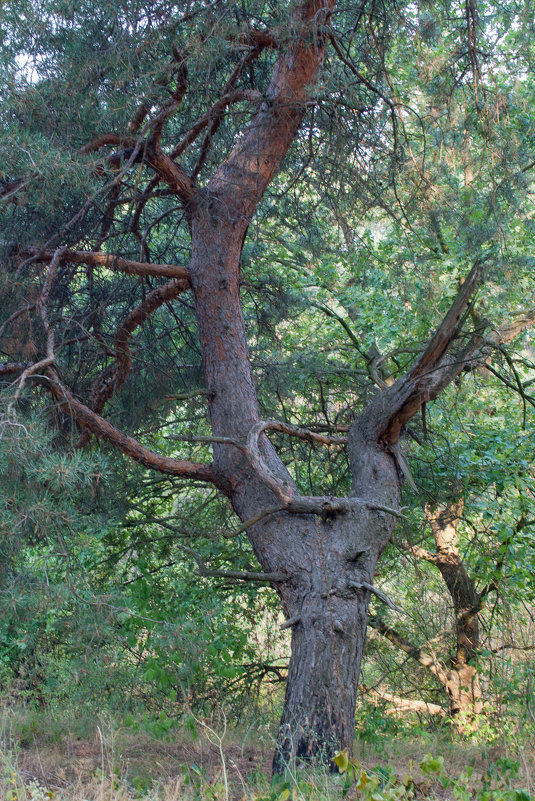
128 766
116 764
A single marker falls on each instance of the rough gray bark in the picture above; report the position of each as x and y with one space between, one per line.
330 612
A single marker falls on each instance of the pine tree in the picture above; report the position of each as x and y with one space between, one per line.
145 137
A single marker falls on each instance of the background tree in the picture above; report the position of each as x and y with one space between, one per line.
479 546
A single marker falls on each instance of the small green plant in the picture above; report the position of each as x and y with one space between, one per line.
496 784
432 766
383 784
379 785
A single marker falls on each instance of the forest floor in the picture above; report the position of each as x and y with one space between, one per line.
115 764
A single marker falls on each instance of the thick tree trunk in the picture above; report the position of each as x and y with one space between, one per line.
329 612
319 707
327 607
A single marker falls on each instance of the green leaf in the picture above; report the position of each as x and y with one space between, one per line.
341 760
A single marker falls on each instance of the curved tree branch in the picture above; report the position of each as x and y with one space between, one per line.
427 660
88 419
107 139
286 492
250 95
283 490
111 380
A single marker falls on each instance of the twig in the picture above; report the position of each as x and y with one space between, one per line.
187 395
292 621
42 305
359 585
256 519
529 398
251 575
207 439
98 603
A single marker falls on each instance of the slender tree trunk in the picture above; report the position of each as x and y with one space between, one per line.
466 701
462 682
460 678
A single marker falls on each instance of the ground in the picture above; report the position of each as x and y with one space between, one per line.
114 763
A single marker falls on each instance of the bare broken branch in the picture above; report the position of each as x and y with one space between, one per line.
359 585
406 705
292 621
42 302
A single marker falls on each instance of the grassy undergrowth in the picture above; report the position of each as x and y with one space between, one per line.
83 758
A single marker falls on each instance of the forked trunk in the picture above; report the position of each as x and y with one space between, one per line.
326 560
